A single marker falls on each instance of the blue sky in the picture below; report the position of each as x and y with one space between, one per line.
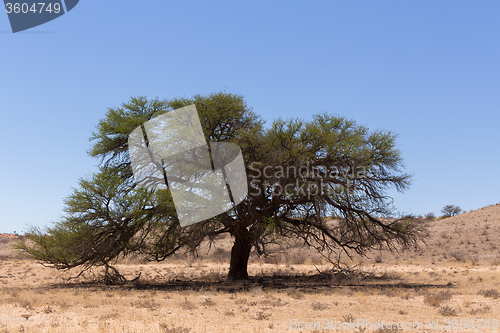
427 70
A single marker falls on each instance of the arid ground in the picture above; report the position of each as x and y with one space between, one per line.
452 283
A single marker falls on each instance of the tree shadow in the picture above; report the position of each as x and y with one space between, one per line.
365 282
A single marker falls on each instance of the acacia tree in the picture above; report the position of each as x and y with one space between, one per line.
451 210
298 172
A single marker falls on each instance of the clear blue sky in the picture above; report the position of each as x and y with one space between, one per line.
428 70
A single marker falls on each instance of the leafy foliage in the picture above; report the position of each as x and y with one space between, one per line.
451 210
298 172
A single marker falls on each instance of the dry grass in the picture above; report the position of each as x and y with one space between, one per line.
186 295
437 299
390 293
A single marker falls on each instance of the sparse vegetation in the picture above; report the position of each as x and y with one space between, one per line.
295 294
182 294
459 255
450 210
318 306
492 293
447 311
430 216
437 298
166 328
208 302
261 315
187 305
149 304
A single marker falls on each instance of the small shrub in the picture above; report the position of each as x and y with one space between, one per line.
188 305
318 306
437 299
149 304
261 315
208 302
109 316
273 301
430 216
166 329
27 304
484 309
387 330
240 301
492 293
348 318
447 311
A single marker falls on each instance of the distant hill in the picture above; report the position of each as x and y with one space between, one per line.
9 236
471 236
6 251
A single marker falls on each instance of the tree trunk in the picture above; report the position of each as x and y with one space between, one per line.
238 268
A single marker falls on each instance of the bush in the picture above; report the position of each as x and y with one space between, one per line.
430 216
261 315
437 299
208 302
187 304
318 306
492 293
167 329
447 311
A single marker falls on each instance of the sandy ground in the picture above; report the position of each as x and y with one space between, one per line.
451 284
